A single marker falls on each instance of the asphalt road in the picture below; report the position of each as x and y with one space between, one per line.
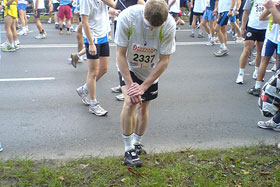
199 104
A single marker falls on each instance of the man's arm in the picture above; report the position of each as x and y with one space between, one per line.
155 74
10 2
110 3
264 15
92 48
122 65
230 12
171 4
272 7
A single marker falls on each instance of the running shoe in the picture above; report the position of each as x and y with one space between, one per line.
120 97
200 35
97 110
139 149
255 75
221 52
50 21
252 63
116 89
16 47
8 48
40 36
17 42
61 32
132 159
1 148
239 40
83 95
270 124
272 60
68 32
240 79
192 35
72 29
56 26
74 59
22 32
273 69
210 43
254 91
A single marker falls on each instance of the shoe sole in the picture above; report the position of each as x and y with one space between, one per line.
239 82
92 112
221 55
87 104
133 165
257 95
116 91
118 99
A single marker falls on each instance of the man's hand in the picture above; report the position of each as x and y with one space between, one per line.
135 90
269 4
215 12
117 12
230 13
92 49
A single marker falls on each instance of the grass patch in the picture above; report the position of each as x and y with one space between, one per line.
243 166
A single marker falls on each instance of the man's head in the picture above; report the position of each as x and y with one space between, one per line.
156 12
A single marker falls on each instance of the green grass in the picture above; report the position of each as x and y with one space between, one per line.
243 166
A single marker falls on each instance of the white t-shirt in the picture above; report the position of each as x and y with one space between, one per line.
224 5
273 34
41 4
54 1
144 45
175 7
98 19
22 2
199 6
256 10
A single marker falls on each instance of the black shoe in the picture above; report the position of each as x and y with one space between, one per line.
139 149
132 159
254 91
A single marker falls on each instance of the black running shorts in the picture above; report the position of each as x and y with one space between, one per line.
103 50
255 35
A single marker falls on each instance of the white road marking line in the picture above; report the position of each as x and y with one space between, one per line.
34 46
28 79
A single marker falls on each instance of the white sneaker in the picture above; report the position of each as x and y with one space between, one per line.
116 89
270 124
40 36
120 97
17 42
83 95
252 63
255 74
50 21
22 32
273 68
97 110
1 148
272 60
240 79
210 43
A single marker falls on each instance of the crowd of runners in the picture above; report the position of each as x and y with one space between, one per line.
144 33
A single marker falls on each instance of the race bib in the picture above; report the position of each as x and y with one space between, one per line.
142 56
259 8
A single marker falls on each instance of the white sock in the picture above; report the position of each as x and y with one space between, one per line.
213 38
200 31
241 72
256 69
85 88
93 102
136 139
258 84
12 45
209 36
128 142
192 31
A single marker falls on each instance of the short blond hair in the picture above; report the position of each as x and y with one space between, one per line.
156 12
